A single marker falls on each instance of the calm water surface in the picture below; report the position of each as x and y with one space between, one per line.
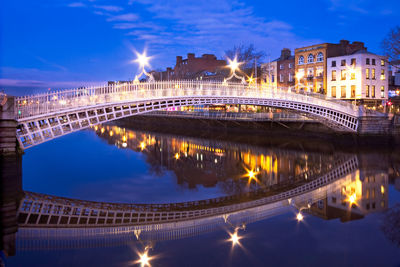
352 220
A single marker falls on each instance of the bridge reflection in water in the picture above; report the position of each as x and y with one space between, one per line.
337 185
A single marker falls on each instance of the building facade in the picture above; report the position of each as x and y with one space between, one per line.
359 76
190 67
279 72
285 69
269 72
311 64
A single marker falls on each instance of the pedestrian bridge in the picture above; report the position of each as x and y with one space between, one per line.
44 211
52 222
47 116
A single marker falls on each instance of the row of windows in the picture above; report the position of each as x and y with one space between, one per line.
310 58
369 74
369 90
282 78
353 62
281 66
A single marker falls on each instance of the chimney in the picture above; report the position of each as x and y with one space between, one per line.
178 59
190 55
285 53
344 42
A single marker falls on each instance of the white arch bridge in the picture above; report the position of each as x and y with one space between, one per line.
47 116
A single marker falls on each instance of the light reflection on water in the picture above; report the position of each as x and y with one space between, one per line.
198 168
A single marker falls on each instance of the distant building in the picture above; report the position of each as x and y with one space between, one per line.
163 75
269 72
394 78
311 66
285 72
359 76
190 67
279 72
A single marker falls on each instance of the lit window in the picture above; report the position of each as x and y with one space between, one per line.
301 60
334 75
373 91
310 58
319 72
367 73
353 75
343 91
367 91
373 74
382 62
382 74
333 91
383 91
343 74
353 91
320 57
353 61
300 73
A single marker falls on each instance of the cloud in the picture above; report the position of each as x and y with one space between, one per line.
124 17
357 6
109 8
76 4
45 84
38 78
138 25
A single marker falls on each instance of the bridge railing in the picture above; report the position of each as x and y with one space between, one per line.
47 103
223 115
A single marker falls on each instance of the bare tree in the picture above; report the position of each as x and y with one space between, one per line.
246 54
391 44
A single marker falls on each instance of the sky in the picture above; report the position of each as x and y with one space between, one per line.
65 44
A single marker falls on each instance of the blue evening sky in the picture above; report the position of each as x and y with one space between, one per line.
60 43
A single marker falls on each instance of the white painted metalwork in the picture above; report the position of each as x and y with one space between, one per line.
47 116
39 210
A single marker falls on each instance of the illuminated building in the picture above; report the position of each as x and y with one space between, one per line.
359 76
311 63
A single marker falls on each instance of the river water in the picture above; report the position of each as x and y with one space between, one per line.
351 220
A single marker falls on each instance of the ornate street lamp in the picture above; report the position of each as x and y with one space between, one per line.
143 61
234 65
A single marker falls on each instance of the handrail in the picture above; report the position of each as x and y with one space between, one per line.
28 106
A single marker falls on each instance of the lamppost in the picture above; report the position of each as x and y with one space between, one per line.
234 65
143 61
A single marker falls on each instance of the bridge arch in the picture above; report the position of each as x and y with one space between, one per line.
45 117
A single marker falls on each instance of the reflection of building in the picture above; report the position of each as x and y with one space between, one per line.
361 75
198 162
311 63
353 198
